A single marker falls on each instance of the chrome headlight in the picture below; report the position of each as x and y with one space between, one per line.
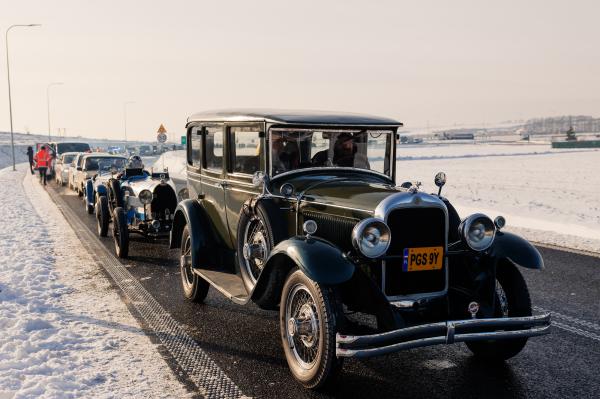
477 231
371 237
145 196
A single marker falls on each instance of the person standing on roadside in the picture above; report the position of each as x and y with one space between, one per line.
42 158
30 156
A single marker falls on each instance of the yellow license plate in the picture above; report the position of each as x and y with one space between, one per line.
425 258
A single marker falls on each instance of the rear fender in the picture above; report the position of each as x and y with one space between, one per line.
320 260
189 212
516 250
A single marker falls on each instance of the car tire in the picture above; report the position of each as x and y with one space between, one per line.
310 356
120 232
195 288
102 215
264 228
512 300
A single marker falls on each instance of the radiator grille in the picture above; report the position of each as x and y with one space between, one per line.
414 227
336 229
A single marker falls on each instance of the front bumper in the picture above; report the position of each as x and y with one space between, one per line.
448 332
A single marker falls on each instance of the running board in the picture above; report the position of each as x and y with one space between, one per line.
449 332
228 284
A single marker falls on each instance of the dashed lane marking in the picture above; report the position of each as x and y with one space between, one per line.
571 319
211 381
573 324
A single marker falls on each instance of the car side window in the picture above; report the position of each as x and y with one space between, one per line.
195 146
213 148
245 149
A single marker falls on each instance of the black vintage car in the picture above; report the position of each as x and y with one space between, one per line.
300 212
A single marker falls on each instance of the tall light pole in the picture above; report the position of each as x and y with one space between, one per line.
48 102
12 141
125 118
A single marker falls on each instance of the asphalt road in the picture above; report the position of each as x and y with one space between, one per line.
244 340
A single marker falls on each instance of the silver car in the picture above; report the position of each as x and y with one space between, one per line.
62 166
89 165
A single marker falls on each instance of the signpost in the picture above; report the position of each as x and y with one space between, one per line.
183 140
161 135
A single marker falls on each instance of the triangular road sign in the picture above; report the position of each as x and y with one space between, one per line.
161 129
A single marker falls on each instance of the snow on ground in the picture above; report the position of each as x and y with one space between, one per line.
547 195
65 331
175 161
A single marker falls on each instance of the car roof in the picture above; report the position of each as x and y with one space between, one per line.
103 155
292 117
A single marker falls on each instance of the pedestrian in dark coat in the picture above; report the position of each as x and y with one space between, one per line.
30 156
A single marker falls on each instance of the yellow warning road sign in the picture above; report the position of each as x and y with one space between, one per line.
161 129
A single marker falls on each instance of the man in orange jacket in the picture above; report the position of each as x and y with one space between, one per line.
42 159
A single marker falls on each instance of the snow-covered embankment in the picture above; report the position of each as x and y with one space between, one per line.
65 331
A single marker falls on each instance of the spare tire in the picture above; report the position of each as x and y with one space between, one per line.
258 232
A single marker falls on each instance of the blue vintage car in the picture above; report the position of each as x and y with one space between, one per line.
136 201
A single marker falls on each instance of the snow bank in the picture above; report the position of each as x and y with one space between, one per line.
175 161
65 331
547 195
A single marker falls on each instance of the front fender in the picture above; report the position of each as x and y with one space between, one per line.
190 212
517 250
320 260
89 192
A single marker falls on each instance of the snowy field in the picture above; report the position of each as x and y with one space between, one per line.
64 330
547 195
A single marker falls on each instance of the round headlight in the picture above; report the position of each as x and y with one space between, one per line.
478 232
145 196
371 237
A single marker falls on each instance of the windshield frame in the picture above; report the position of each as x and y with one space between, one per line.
350 129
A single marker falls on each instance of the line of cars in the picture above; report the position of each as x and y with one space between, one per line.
300 213
119 191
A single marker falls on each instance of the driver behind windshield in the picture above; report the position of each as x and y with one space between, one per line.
344 154
285 155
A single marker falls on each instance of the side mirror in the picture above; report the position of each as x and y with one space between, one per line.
440 180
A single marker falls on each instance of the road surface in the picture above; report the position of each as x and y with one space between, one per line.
244 340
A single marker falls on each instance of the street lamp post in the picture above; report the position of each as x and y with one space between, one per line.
12 140
48 102
125 118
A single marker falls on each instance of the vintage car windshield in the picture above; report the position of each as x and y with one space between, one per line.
72 147
68 158
104 163
293 149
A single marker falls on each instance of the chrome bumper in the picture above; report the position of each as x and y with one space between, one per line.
448 332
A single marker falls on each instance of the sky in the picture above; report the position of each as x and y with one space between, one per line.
425 63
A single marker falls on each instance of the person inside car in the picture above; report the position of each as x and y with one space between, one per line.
285 154
135 167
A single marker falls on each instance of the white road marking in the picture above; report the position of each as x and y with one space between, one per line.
572 324
199 367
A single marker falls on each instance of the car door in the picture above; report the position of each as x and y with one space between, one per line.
213 180
245 157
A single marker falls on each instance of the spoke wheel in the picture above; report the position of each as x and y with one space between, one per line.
256 247
308 323
195 288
